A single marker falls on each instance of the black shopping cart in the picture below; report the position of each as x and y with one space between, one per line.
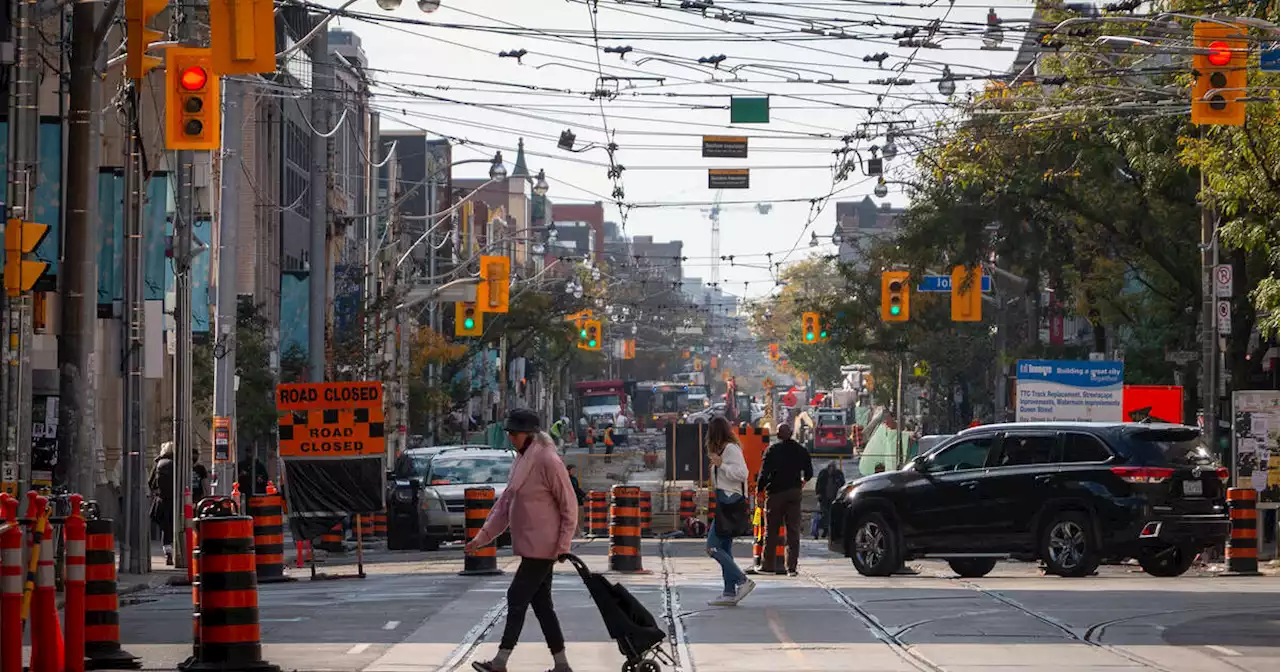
638 635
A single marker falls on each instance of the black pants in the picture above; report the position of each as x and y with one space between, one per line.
532 587
782 508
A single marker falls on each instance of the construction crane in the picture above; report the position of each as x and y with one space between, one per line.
714 215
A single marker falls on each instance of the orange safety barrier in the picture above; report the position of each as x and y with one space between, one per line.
365 525
624 530
483 561
779 549
646 513
1242 547
230 635
101 605
380 524
74 533
688 504
711 507
302 551
47 647
332 540
267 512
10 586
597 514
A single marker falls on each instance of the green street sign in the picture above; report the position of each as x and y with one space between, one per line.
749 110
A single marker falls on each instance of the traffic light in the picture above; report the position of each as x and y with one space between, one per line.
895 296
823 334
494 292
810 327
137 14
242 35
1220 62
467 319
966 301
193 110
20 239
590 336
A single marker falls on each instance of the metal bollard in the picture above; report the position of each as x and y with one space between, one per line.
484 561
1242 547
10 586
230 635
597 514
74 533
646 514
624 530
101 604
267 512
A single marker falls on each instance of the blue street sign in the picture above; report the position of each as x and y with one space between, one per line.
1269 57
942 283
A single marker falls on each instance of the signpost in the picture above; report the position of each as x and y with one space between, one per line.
1224 318
754 110
942 283
1223 281
721 147
728 178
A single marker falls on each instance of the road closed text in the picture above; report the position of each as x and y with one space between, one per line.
331 442
328 396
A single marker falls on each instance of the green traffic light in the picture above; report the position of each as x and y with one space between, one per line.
469 323
808 336
591 343
823 334
895 310
582 334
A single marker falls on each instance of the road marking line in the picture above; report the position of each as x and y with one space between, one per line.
788 645
1223 650
357 649
391 625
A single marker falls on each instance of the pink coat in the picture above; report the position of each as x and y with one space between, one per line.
538 505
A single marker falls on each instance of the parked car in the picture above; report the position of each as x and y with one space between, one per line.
427 503
1067 494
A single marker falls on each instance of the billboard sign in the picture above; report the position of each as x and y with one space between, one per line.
1153 403
1069 390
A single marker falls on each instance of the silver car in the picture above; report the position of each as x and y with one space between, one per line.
429 500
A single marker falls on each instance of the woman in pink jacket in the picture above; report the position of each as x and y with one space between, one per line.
541 509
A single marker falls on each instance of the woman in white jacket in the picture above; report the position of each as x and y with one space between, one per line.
729 474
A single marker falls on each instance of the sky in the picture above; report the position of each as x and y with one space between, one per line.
450 81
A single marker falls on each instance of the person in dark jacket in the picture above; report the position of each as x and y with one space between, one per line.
162 496
199 482
577 487
785 470
827 486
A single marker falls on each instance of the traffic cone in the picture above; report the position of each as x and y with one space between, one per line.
271 488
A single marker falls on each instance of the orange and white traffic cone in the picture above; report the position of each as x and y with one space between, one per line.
10 586
48 652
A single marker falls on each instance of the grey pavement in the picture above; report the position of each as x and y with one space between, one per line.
413 613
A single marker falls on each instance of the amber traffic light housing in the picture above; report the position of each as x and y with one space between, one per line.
193 110
467 320
137 15
966 294
809 327
895 296
1220 68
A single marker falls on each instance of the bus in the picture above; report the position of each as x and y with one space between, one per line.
659 403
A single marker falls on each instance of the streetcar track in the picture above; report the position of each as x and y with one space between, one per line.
675 619
873 624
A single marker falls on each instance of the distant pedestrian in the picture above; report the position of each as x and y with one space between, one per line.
827 487
199 482
785 470
729 477
162 496
557 432
540 506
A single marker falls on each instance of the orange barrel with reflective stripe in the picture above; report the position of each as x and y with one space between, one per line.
711 507
267 512
780 553
332 540
230 636
624 530
646 513
478 503
380 524
366 525
597 514
688 504
1242 547
101 604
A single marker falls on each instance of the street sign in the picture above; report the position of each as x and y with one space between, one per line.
9 479
1181 357
728 178
749 110
721 147
1224 318
1223 281
942 283
1269 58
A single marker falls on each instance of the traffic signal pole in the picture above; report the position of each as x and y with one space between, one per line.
224 372
135 556
24 119
1208 325
322 78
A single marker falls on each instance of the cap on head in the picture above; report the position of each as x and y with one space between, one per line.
523 420
784 432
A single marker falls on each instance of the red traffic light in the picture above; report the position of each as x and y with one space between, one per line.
194 78
1219 53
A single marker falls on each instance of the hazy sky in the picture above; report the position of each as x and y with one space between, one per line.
656 124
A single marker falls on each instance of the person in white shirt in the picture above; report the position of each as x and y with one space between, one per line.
729 477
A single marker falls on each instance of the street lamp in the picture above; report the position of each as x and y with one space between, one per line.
540 185
498 171
890 149
882 188
426 6
947 86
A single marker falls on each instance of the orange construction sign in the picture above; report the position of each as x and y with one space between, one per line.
342 420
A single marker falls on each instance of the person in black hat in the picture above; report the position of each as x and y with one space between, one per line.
541 509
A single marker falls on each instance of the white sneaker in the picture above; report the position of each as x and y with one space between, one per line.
724 601
744 589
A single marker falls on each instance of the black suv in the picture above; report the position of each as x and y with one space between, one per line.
1067 494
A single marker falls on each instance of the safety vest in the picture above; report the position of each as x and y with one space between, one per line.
608 437
591 436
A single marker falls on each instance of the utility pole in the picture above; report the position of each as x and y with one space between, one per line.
182 374
900 416
24 120
1208 323
322 83
224 351
135 557
77 362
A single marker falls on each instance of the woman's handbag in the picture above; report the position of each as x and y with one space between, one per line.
733 519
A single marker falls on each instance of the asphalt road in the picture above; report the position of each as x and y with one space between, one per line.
413 613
